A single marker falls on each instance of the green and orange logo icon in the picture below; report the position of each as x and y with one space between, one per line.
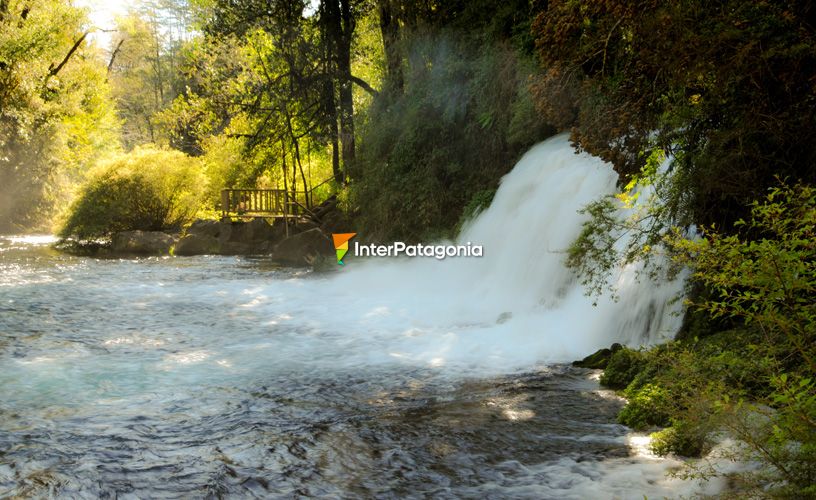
341 245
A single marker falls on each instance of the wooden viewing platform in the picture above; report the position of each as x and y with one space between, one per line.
261 203
268 203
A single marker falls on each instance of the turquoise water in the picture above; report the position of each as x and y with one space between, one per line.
216 376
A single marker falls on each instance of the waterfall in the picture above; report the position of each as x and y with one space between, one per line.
518 304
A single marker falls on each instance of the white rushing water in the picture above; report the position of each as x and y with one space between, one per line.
170 377
518 305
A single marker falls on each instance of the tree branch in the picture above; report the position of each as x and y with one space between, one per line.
364 85
114 54
52 71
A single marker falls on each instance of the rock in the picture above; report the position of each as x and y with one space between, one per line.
599 359
247 232
197 244
203 227
335 221
225 237
302 226
142 242
201 238
324 208
303 249
256 237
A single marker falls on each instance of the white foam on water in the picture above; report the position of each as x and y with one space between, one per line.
516 306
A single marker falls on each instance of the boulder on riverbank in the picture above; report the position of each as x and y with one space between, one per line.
201 238
305 245
226 237
599 359
303 249
142 243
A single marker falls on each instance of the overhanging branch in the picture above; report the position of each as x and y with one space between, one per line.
52 70
364 85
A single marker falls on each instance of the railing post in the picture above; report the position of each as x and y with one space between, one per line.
225 208
286 211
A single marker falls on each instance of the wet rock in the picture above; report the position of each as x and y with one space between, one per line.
304 248
256 237
247 232
202 227
599 359
142 243
201 238
197 244
226 237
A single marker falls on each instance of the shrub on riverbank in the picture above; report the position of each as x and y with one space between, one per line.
148 189
756 383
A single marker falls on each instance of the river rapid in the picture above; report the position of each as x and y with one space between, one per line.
230 376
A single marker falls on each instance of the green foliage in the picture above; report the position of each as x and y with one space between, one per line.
727 90
623 367
148 189
629 227
451 133
682 438
188 121
148 70
647 406
480 201
56 118
224 167
754 383
768 279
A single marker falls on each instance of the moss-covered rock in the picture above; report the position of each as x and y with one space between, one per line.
622 368
599 359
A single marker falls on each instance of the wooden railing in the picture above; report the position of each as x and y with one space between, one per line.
259 203
267 202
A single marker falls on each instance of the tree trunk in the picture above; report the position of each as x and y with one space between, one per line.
338 25
328 27
285 188
344 71
389 28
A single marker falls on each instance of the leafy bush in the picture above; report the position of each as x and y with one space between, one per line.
478 202
148 189
648 406
681 439
766 276
756 383
682 77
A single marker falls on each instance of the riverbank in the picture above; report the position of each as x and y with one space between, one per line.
302 243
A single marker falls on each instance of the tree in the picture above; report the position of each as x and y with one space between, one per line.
724 87
146 68
55 114
317 53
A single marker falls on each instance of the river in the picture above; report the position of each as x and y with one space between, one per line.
230 376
